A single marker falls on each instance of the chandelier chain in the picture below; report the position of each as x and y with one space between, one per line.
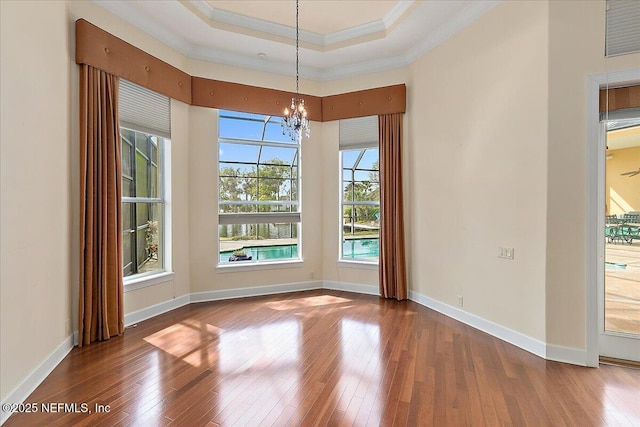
297 52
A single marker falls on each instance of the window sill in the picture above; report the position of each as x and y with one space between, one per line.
239 266
365 265
150 280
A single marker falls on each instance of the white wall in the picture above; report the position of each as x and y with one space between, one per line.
227 73
365 81
35 195
576 49
477 168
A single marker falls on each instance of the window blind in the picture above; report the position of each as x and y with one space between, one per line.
361 132
144 109
628 113
622 27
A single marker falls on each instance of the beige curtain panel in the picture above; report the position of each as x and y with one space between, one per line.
393 280
101 311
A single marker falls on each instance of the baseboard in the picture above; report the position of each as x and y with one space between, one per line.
33 380
351 287
518 339
575 356
154 310
254 291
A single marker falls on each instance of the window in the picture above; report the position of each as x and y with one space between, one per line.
360 184
258 190
144 132
142 202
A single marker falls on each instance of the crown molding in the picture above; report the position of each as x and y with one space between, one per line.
229 21
144 23
237 23
251 62
311 73
397 12
354 35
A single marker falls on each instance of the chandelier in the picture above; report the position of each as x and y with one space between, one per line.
295 121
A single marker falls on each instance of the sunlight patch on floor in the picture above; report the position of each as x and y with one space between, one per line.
293 304
184 341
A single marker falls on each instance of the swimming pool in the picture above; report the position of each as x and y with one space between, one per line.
264 253
360 248
351 249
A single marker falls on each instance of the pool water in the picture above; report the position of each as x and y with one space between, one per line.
360 248
264 253
351 249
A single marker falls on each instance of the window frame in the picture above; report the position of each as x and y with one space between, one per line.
255 218
142 279
353 203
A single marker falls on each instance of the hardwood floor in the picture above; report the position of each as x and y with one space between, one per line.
324 358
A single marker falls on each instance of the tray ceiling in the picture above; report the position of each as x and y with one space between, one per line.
337 38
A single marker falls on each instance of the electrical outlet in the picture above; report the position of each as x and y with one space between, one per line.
460 301
506 253
312 275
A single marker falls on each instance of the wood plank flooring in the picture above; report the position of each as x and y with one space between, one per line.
325 358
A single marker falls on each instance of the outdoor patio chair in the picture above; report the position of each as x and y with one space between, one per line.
611 230
625 231
631 231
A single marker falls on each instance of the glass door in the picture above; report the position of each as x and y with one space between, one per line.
620 290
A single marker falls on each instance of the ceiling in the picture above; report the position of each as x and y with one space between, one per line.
338 38
626 135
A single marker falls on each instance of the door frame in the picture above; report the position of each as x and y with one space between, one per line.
595 170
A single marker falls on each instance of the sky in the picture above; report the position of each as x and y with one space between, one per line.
239 125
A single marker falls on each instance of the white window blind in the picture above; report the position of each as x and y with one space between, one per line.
623 27
361 132
627 113
144 109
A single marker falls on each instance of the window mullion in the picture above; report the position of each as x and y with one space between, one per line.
353 198
363 203
256 143
134 214
149 167
142 200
